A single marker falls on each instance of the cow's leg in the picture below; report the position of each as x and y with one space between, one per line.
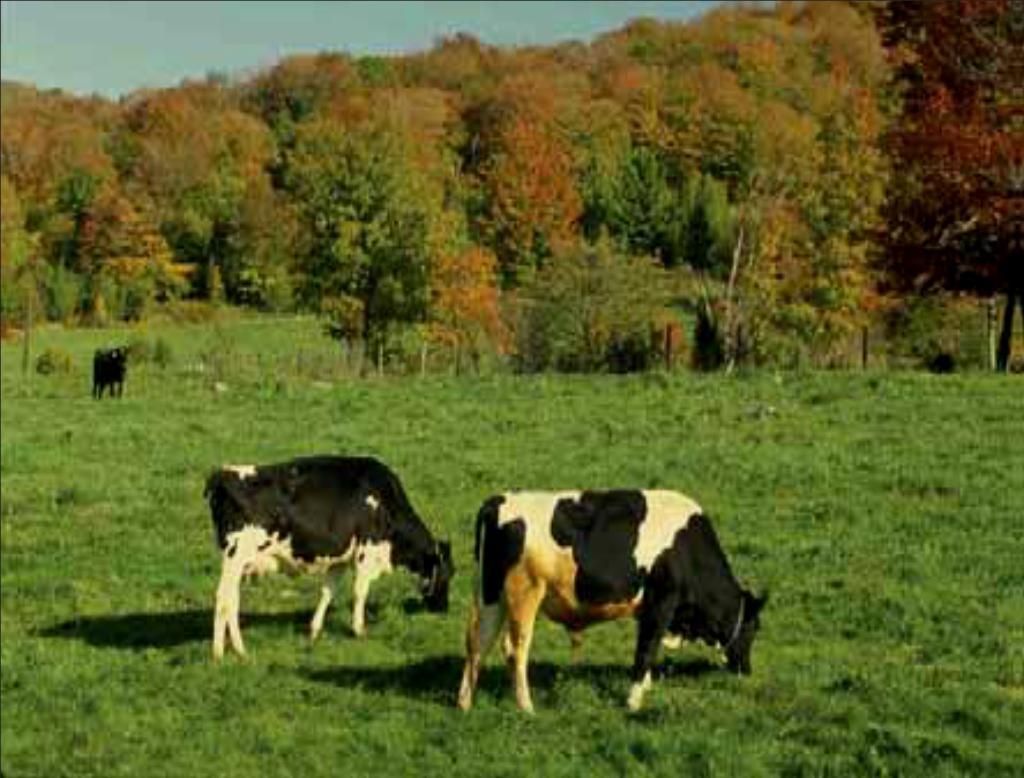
246 551
655 615
524 596
507 649
485 624
326 595
225 616
371 562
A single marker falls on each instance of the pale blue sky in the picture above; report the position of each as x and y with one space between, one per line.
111 48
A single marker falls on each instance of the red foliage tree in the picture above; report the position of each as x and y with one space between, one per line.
956 212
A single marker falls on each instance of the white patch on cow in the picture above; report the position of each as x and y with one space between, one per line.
667 513
637 692
255 551
373 502
371 561
321 565
241 549
534 508
242 471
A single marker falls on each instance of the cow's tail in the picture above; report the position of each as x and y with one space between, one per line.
486 529
228 505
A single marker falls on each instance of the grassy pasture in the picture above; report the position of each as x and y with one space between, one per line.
884 511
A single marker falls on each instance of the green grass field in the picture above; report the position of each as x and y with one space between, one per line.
884 511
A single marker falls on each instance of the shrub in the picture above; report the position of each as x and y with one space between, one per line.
190 311
136 296
140 351
934 330
162 354
708 348
591 309
53 360
344 316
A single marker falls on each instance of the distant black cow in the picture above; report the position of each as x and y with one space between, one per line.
108 370
586 557
318 515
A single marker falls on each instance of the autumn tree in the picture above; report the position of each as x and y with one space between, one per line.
956 208
518 150
367 223
465 302
298 87
197 158
13 245
638 203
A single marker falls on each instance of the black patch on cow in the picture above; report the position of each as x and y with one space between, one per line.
232 550
709 592
264 545
602 528
499 547
318 502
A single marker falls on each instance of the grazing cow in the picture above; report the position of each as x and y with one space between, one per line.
108 369
317 515
586 557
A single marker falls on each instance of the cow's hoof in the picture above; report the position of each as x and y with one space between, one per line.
635 701
526 707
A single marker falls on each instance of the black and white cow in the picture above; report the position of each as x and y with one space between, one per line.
587 557
108 370
318 515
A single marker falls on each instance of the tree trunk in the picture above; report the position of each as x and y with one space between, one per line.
29 314
730 341
1006 334
990 332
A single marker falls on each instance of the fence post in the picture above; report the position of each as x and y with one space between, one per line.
380 358
668 347
990 331
864 347
423 359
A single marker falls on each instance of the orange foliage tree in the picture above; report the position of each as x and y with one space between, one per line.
465 304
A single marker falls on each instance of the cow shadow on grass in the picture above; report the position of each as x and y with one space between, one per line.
159 630
437 678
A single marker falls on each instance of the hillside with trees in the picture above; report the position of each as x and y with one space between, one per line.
731 171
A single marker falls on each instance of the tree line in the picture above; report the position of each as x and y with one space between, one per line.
553 203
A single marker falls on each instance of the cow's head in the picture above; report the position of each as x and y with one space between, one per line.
737 650
440 570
